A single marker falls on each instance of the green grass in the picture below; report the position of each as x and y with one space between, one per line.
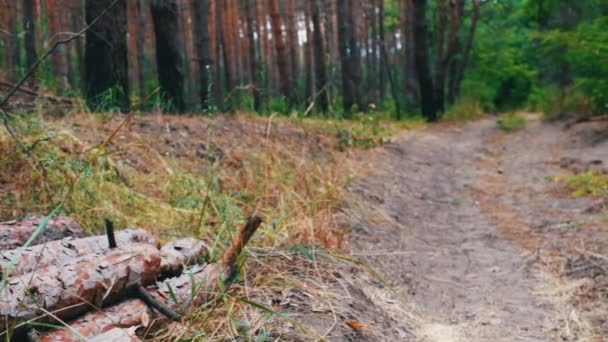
586 184
512 122
467 108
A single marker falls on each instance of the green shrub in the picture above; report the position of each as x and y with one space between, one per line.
466 108
512 122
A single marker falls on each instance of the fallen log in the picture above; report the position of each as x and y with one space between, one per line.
193 288
116 335
59 293
176 254
14 234
62 251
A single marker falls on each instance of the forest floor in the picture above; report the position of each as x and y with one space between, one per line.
481 237
466 232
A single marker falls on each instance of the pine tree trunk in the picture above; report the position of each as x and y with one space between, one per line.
308 53
412 95
429 111
29 28
349 56
292 43
140 42
106 63
322 86
281 51
460 69
254 59
200 11
441 58
456 13
168 53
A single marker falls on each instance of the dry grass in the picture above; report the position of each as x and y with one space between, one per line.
199 176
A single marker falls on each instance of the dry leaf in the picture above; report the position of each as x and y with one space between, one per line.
355 325
145 320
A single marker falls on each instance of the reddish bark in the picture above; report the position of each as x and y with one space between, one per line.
69 290
63 251
177 293
14 234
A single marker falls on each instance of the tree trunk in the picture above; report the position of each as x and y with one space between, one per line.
460 69
441 58
63 251
308 54
106 63
168 53
29 28
429 110
412 96
456 13
200 10
322 86
382 68
254 56
292 42
69 290
11 38
348 54
14 234
281 50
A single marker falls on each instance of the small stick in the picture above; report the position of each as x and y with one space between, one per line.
230 256
147 298
110 233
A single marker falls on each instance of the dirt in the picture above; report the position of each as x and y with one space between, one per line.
464 222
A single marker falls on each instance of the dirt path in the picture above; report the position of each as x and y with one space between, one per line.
447 221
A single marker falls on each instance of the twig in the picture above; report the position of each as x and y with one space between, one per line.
314 98
32 92
147 298
110 233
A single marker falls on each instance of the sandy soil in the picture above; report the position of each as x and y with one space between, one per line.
464 222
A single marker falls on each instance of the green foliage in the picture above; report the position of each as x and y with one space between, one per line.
466 108
587 184
512 122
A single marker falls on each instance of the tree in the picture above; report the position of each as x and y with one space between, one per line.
29 28
106 64
466 53
203 48
168 54
319 58
140 46
254 56
425 79
281 50
349 56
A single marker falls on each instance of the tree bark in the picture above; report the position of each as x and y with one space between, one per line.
281 51
254 54
168 53
29 28
65 250
441 58
461 68
177 293
425 81
14 234
410 73
200 11
69 290
456 13
319 59
176 254
106 62
345 37
292 43
140 46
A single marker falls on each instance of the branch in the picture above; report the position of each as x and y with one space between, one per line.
147 298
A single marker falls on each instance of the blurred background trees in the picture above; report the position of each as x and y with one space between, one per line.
330 57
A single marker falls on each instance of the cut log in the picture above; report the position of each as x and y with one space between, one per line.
62 251
67 291
176 293
179 253
14 234
116 335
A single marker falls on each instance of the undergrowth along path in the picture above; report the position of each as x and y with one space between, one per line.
434 221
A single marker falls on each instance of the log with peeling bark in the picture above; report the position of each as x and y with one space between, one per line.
116 335
62 251
194 288
59 293
179 253
14 234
